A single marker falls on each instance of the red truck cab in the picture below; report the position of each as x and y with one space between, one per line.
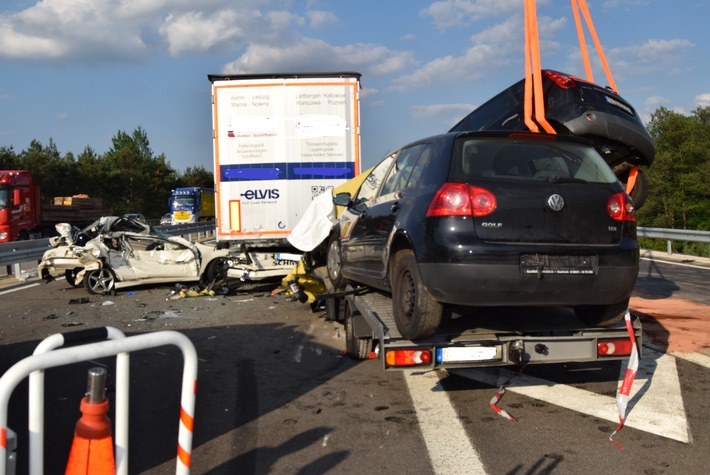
19 205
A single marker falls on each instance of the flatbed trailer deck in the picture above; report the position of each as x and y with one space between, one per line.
476 337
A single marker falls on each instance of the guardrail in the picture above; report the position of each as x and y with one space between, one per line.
12 254
671 235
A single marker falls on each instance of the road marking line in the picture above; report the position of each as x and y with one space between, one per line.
17 289
657 401
656 404
450 450
697 358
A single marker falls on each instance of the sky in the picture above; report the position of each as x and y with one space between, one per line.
76 72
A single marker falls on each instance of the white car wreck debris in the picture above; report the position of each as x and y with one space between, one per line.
119 252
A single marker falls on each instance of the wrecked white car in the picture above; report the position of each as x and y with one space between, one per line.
107 257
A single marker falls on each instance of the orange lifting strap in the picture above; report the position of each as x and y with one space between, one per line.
533 73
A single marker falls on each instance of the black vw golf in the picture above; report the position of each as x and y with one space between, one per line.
486 219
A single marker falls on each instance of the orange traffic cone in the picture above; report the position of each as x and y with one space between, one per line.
92 448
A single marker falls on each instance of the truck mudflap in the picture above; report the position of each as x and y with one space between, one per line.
479 338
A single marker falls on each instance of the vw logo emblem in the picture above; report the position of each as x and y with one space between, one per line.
556 202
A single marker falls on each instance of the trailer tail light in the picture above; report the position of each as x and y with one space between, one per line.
621 208
460 199
408 357
615 347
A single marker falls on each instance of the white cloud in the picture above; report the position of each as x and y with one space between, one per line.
452 13
95 31
452 69
654 102
70 29
282 20
492 48
320 19
366 92
193 31
440 116
611 4
437 110
311 54
702 100
663 56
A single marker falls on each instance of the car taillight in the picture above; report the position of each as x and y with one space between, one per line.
460 199
621 208
614 347
562 80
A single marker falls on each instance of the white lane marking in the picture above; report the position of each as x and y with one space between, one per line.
697 358
450 449
656 403
28 286
24 287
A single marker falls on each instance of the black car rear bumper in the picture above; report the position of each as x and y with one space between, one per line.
496 284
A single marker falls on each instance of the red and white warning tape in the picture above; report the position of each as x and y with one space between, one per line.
499 395
622 398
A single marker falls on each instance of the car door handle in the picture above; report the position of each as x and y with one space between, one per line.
395 207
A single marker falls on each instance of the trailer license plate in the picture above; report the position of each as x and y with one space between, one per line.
459 354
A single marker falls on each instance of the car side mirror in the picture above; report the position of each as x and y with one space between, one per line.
342 199
16 197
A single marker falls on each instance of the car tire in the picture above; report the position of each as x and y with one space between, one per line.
334 263
602 315
355 347
216 270
639 193
70 276
100 281
416 313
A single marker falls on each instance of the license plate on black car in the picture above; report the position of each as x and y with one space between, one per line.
552 264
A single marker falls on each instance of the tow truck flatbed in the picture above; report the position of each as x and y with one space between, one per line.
477 337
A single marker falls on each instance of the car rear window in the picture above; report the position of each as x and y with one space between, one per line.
528 160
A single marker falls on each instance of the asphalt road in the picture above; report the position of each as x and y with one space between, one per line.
275 395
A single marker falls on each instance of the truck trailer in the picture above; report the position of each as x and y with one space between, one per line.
191 205
24 216
280 140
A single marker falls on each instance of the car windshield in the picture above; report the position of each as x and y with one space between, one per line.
184 201
528 160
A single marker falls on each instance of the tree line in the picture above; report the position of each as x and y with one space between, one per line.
129 177
679 178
